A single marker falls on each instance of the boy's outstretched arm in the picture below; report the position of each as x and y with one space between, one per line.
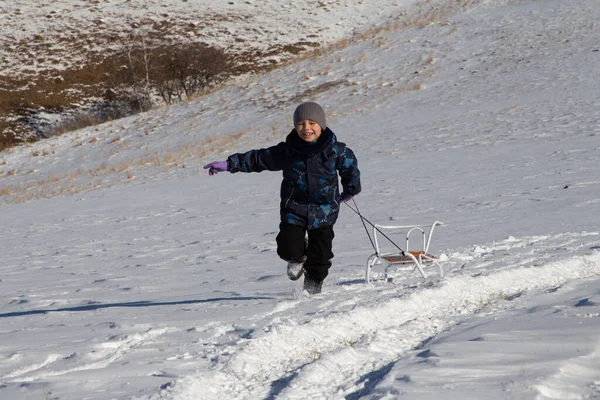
270 159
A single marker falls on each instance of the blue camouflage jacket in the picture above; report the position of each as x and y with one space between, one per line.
309 190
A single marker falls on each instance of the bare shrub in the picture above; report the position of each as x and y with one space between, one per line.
187 70
173 72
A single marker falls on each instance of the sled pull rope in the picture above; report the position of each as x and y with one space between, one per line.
363 219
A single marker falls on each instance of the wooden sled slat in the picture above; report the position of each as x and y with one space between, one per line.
405 259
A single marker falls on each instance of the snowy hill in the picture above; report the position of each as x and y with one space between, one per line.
128 272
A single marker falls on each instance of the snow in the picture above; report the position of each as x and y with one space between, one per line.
129 273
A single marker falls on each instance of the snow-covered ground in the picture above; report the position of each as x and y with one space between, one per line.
127 272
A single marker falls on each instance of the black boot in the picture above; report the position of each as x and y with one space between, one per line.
312 286
295 270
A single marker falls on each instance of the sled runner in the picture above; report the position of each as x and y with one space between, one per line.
410 260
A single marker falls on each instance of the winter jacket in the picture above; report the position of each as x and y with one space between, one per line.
309 190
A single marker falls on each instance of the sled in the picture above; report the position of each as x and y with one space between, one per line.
410 260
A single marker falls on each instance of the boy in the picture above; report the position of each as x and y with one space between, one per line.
310 158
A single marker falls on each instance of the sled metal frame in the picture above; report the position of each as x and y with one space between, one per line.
417 258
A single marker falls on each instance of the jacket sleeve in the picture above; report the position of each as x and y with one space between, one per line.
270 159
348 170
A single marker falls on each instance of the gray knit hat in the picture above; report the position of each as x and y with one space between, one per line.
312 111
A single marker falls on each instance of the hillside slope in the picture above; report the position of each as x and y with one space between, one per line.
127 271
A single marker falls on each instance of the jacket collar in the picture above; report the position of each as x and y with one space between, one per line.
310 149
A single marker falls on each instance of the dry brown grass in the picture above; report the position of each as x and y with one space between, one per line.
120 84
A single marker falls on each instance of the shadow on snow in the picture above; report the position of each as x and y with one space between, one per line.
93 307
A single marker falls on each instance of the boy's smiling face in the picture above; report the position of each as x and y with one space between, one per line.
309 130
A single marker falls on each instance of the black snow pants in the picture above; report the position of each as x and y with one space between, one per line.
292 247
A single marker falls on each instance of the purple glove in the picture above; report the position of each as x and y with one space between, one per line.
215 167
345 198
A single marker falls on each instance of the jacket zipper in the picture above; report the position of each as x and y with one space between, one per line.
289 197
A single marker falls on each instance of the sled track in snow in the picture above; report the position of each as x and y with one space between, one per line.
335 356
103 355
